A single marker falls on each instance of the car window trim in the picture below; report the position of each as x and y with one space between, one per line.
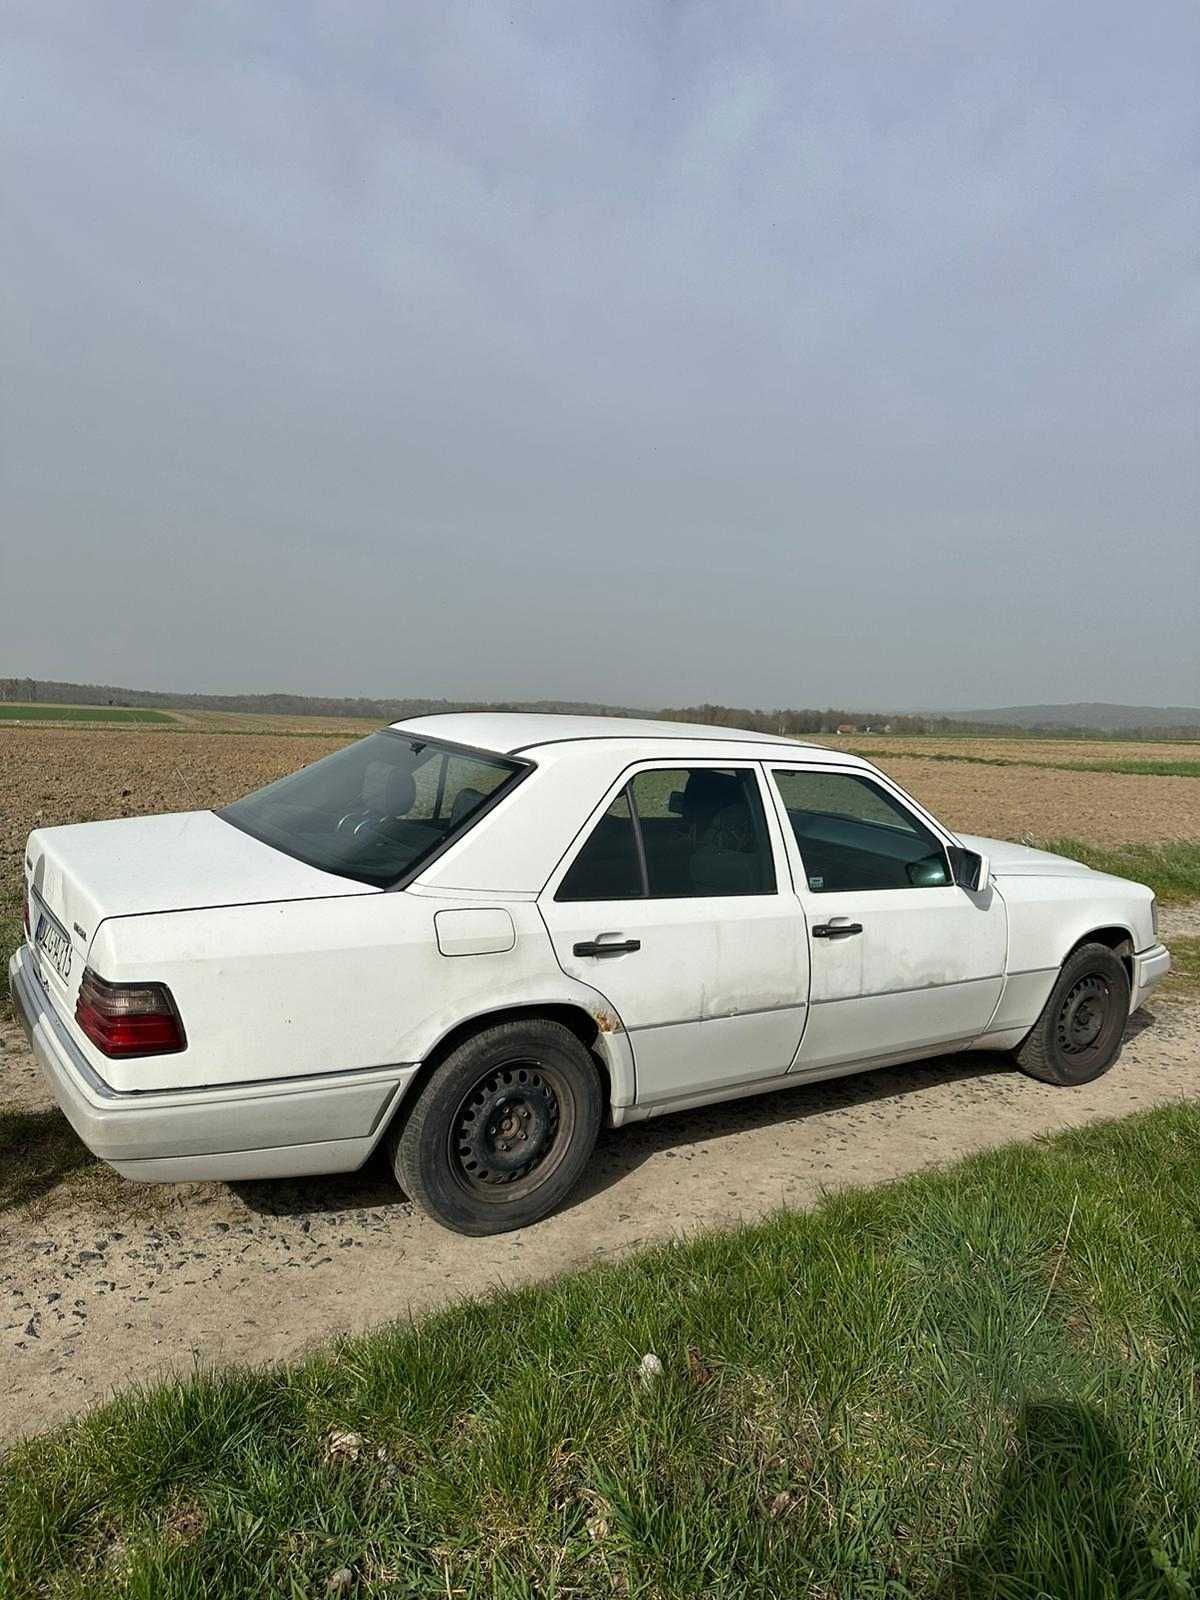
866 775
521 767
638 840
623 783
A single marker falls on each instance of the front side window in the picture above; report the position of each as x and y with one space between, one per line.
376 810
675 833
853 835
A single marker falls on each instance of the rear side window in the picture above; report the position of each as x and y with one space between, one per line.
674 833
852 834
608 867
377 810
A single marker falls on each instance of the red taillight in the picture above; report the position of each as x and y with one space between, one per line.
128 1019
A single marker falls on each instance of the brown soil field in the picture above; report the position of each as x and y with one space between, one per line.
1107 808
56 775
52 775
1030 752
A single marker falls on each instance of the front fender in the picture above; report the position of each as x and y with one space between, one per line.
1049 916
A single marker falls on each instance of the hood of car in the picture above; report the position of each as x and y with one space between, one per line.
1010 860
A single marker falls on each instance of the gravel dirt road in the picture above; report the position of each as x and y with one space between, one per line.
104 1283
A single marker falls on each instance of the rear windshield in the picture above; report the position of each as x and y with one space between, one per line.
376 810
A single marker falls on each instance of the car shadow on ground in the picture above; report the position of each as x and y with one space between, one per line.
620 1151
39 1149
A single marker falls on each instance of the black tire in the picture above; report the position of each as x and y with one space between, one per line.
1078 1035
502 1130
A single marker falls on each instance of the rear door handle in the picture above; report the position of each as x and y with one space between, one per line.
835 930
607 944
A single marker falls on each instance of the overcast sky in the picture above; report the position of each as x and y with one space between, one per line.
649 353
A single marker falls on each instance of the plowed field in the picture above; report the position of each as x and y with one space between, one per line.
52 775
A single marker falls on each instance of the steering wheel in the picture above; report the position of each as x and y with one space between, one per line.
354 821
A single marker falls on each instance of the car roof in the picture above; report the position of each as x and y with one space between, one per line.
515 845
515 732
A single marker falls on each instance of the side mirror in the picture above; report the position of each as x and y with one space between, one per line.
971 870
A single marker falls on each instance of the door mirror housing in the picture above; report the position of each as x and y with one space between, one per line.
971 869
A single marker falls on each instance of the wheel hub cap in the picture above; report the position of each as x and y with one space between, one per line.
506 1126
1083 1015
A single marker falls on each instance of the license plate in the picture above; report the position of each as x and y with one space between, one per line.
54 942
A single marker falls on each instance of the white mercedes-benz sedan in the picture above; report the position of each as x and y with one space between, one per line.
479 937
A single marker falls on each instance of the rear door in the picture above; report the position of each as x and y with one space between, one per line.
902 958
676 905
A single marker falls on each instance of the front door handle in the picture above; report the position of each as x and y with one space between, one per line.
606 944
836 930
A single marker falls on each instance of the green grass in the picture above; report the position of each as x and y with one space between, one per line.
1171 870
1138 765
978 1382
1183 980
1153 769
17 711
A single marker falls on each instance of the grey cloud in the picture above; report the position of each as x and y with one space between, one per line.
643 353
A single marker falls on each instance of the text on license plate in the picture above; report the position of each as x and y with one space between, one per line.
54 943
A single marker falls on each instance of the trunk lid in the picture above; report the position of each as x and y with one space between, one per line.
81 874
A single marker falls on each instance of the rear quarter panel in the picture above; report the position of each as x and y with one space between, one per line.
303 987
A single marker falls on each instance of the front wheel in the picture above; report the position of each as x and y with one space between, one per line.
1078 1035
503 1129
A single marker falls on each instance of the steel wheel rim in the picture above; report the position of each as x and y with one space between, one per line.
1083 1016
511 1131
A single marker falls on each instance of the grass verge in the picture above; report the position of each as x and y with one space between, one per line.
1183 980
1171 870
975 1382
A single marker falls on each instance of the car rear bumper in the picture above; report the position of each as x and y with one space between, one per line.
281 1128
1150 967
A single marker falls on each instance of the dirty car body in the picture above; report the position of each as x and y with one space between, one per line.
479 935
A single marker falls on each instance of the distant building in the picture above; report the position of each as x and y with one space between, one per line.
847 727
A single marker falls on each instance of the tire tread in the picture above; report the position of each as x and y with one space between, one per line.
408 1140
1038 1056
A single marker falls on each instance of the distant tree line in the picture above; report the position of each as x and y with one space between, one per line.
19 689
791 722
788 721
51 692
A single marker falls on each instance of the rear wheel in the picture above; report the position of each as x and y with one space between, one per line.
503 1129
1078 1035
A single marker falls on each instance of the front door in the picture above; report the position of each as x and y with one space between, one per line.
903 959
672 909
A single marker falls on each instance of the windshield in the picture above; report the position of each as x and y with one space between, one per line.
378 809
